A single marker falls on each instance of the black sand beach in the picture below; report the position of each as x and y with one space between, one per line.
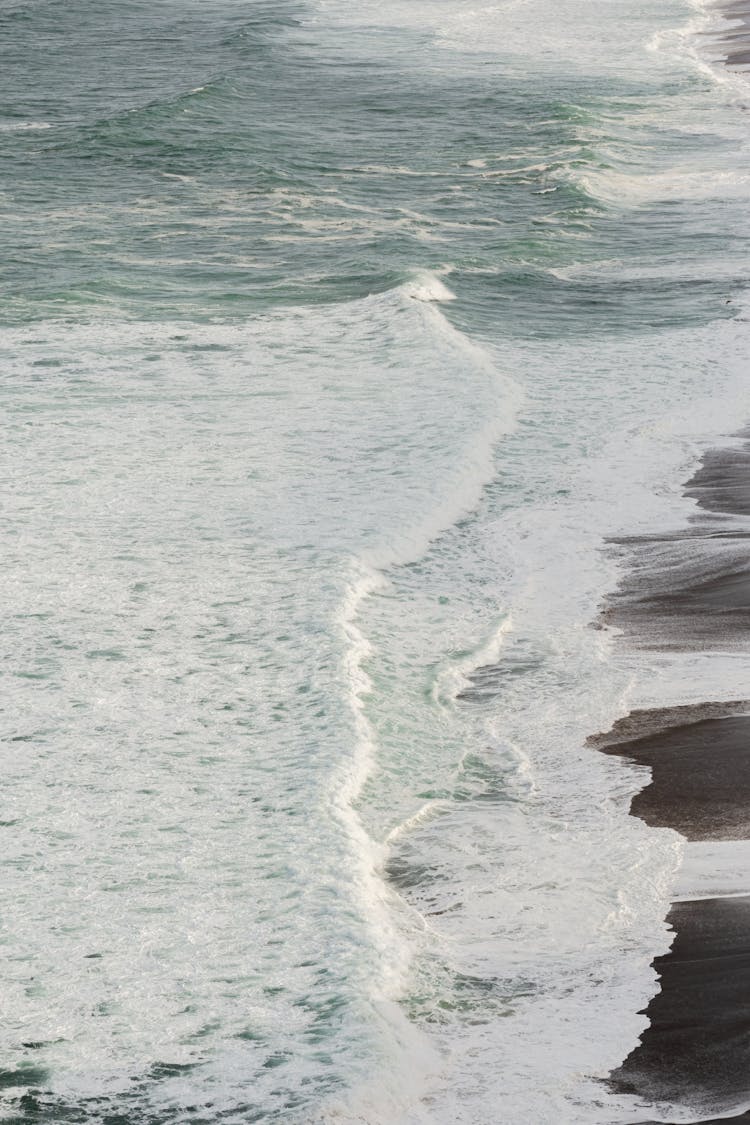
738 39
700 777
697 1049
722 483
690 590
733 42
709 1120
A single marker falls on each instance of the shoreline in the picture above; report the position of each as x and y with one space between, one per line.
689 591
696 1049
736 39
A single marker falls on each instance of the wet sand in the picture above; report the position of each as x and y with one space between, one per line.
700 780
734 41
697 1049
699 602
743 1117
689 590
722 483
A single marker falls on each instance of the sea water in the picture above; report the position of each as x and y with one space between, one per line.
336 341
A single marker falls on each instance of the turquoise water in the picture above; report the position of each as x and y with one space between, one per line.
334 343
207 161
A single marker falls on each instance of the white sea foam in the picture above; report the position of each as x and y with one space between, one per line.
428 287
411 1056
621 187
289 546
454 677
246 464
541 885
425 288
23 126
714 869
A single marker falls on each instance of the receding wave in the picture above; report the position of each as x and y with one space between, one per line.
230 703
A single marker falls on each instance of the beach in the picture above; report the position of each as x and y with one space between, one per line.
689 590
735 41
375 518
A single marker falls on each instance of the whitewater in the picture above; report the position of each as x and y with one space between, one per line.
337 344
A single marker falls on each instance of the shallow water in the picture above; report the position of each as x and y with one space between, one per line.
335 342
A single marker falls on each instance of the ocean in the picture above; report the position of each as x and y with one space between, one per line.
337 342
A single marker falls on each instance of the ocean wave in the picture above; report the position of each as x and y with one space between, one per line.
428 287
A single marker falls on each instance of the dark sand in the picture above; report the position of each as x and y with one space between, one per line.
743 1117
638 724
690 589
722 484
684 593
697 1049
700 772
734 41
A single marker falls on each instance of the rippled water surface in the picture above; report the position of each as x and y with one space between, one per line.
335 339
